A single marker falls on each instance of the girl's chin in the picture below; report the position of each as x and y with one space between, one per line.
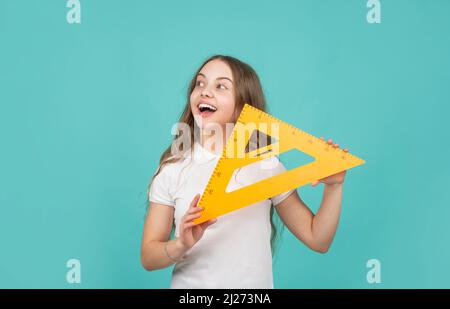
205 117
206 114
207 122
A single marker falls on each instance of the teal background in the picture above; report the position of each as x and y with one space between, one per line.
86 110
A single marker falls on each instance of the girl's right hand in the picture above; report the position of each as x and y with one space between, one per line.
191 233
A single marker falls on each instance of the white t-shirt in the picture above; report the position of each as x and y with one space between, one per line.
235 251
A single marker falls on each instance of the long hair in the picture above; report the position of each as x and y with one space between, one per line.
248 90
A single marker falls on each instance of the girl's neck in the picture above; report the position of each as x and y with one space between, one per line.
211 143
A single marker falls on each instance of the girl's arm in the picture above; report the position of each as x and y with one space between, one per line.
315 231
158 225
159 252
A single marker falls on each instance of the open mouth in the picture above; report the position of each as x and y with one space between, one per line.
206 109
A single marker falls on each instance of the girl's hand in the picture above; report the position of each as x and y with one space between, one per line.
332 179
191 233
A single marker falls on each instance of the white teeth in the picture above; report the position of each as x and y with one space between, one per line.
202 105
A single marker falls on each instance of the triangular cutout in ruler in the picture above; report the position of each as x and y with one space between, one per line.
328 161
264 139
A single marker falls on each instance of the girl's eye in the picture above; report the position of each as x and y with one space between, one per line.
221 86
200 83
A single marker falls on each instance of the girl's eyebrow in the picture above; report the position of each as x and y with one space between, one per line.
201 74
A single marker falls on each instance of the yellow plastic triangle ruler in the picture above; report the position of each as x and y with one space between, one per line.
328 161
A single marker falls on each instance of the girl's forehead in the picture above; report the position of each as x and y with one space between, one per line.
216 68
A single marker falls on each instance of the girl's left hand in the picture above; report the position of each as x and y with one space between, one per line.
332 179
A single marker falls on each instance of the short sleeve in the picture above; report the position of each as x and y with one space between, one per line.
160 188
279 168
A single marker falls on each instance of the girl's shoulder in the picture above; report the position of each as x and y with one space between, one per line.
165 182
171 168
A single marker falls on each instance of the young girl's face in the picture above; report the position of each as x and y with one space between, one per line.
213 96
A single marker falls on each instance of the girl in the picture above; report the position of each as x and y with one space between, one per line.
234 250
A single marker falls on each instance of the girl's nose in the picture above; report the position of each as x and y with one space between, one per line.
206 93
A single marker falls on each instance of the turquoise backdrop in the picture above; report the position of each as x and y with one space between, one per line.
86 110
